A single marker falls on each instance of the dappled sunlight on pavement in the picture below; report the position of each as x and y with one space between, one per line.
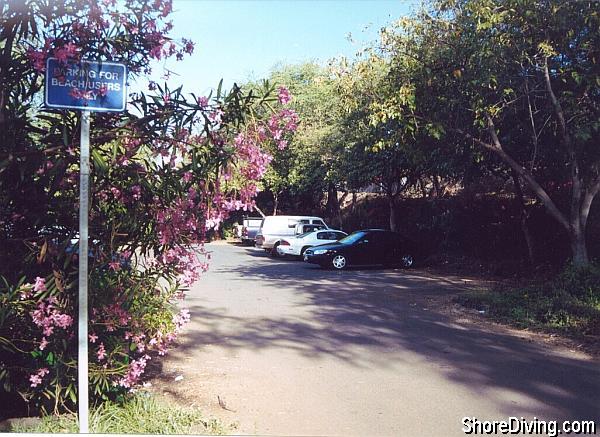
299 350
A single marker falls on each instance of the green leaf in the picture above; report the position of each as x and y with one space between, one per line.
99 160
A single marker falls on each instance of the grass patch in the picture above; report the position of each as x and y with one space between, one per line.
141 414
569 304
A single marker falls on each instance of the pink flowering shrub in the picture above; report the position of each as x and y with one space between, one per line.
163 174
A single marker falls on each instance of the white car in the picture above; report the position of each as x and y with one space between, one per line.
276 227
296 246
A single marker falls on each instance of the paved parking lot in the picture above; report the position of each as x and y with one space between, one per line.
291 349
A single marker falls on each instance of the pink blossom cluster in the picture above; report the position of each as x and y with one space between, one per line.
114 316
48 317
284 121
283 95
64 53
94 22
134 372
180 219
101 353
255 161
36 378
159 342
27 290
181 319
186 262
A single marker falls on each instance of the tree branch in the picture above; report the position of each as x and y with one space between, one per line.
539 191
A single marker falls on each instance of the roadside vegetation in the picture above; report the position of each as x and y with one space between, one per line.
164 172
461 93
140 414
472 127
568 304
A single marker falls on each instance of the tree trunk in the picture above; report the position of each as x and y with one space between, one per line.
340 203
523 216
581 197
275 203
333 205
579 250
422 186
393 214
437 187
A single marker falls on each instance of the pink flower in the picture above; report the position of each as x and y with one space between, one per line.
38 59
93 337
189 46
36 379
137 192
203 102
40 284
101 354
43 343
284 95
114 265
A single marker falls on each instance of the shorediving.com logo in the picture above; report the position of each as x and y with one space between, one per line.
522 426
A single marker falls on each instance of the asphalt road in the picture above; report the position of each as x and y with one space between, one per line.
286 348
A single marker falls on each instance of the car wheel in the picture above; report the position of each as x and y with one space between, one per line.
274 252
339 262
303 250
407 261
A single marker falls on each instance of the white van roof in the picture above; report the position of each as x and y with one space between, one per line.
312 217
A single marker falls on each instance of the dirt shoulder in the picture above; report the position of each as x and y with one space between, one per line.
446 304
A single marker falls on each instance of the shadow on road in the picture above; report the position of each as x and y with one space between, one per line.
358 315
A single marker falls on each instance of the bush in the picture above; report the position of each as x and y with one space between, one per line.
570 303
140 414
161 176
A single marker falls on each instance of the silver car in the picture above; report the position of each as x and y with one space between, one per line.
276 227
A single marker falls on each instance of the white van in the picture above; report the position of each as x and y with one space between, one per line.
276 227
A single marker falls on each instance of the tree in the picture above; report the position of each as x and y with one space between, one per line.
381 147
518 80
157 185
307 168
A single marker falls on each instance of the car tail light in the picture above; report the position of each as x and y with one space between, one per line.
284 243
244 231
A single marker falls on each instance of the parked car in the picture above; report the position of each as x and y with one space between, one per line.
366 247
297 245
249 229
276 227
303 228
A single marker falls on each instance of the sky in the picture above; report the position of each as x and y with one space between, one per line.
238 40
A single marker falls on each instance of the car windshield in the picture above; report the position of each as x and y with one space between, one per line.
353 238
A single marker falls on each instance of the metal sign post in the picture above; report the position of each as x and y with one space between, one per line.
82 353
87 86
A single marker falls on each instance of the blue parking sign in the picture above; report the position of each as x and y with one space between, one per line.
86 85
